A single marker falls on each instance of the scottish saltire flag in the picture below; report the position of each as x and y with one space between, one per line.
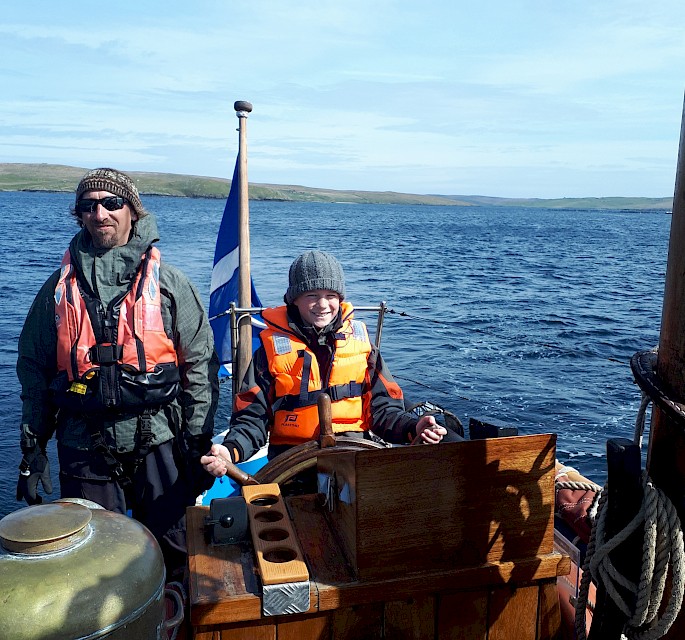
224 287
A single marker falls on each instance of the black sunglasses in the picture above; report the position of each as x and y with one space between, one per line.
111 203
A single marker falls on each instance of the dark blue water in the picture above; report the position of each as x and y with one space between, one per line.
528 316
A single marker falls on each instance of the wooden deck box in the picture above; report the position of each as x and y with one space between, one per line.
431 508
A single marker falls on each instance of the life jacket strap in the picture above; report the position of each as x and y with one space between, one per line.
304 384
99 447
104 354
309 398
145 432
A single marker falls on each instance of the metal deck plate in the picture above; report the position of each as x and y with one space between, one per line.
289 597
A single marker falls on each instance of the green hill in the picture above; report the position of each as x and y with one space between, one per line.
52 177
572 203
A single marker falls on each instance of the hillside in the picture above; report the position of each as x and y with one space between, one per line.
51 177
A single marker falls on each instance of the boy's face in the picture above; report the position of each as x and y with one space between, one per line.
318 307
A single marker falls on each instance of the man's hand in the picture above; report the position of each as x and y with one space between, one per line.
428 431
34 468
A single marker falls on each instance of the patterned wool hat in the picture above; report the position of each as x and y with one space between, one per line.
315 270
116 182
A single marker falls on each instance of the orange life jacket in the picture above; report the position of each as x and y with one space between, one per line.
119 357
298 382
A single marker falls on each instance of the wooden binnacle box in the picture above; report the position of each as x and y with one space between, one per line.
432 508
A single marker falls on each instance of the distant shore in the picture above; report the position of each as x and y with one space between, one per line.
62 178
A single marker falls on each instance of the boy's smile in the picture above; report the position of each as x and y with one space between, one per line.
319 307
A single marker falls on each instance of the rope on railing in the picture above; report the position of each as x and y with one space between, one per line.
662 547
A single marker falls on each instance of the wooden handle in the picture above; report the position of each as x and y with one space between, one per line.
326 437
236 473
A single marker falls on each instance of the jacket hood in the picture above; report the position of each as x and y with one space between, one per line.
120 263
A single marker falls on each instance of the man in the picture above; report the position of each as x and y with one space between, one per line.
313 343
116 356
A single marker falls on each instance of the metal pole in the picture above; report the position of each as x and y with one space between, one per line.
234 347
379 325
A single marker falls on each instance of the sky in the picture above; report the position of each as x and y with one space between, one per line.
507 98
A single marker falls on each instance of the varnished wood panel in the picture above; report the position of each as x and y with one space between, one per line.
335 596
337 587
312 627
324 557
223 583
463 615
472 502
412 619
549 612
512 613
225 591
248 631
243 631
363 622
345 517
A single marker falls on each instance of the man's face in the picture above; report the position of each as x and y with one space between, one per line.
107 228
318 307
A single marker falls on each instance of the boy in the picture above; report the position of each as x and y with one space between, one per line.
313 343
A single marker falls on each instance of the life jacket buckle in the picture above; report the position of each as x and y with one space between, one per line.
106 353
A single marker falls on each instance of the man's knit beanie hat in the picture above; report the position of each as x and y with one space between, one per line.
315 270
116 182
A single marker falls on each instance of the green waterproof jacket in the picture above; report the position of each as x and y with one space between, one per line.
110 272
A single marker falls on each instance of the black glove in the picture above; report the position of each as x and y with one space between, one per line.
34 468
200 480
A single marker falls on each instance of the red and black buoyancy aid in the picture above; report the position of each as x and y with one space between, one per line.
117 358
298 381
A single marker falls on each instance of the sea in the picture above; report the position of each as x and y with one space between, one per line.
526 316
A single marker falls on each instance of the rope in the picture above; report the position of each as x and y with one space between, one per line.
451 394
488 332
578 486
662 548
662 545
643 365
404 314
640 420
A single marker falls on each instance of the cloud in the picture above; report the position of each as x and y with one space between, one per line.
385 95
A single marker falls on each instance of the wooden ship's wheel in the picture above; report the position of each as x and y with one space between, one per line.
285 468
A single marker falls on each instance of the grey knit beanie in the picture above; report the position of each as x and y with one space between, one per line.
314 270
116 182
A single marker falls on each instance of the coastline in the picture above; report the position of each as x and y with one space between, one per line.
52 178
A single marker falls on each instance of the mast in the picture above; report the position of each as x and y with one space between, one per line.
243 109
666 454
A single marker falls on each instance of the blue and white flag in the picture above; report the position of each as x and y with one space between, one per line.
224 287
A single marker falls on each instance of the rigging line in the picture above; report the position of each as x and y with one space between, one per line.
422 384
404 314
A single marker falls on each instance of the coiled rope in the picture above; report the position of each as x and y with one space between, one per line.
662 548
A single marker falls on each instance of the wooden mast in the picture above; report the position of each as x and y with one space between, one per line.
666 455
244 354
